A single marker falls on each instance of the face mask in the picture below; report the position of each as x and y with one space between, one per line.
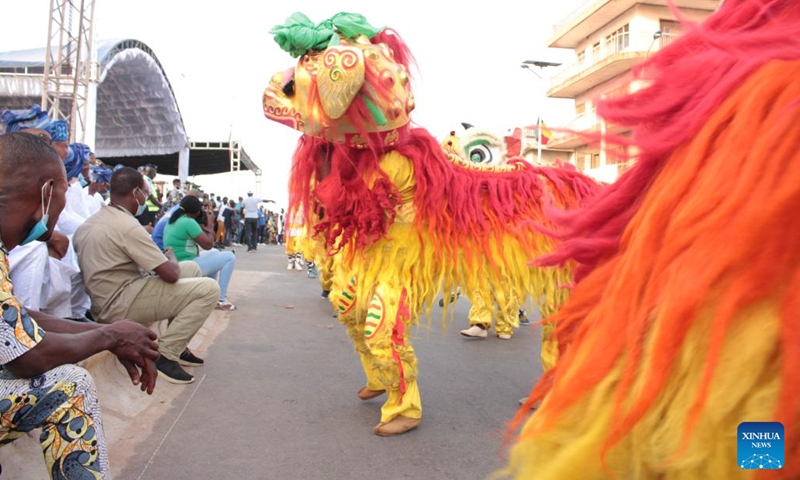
140 206
41 226
82 181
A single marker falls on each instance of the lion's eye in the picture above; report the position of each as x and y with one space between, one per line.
288 89
480 152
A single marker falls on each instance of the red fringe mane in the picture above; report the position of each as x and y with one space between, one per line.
456 206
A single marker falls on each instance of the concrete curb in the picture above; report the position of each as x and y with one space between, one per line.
128 413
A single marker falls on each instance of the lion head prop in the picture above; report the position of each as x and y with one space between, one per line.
351 79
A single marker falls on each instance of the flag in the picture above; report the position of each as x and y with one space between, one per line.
546 134
534 130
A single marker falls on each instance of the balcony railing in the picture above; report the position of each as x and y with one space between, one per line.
572 15
584 122
612 45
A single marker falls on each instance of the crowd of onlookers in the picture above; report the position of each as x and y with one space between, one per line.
230 216
90 257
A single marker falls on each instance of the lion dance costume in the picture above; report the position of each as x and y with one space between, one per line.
403 220
483 148
684 320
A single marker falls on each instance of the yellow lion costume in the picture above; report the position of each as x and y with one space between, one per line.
404 221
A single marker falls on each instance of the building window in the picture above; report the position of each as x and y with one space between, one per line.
670 30
596 52
581 57
618 41
580 108
595 160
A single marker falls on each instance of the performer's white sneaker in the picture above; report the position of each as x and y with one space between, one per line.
504 336
474 332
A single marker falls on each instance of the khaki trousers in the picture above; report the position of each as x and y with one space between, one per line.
188 302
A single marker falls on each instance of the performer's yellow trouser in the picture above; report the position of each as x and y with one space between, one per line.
482 311
325 266
381 336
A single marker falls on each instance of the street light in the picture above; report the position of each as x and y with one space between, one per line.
656 35
528 65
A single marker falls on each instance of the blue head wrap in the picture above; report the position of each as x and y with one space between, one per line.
101 174
118 166
77 154
16 120
59 130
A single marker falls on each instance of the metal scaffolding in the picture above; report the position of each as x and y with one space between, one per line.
70 71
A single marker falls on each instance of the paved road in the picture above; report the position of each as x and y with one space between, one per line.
277 400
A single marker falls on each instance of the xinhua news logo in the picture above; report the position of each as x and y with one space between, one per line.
760 445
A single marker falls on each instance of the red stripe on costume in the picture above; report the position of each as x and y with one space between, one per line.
398 333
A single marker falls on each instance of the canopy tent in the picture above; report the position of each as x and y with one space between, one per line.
138 118
207 158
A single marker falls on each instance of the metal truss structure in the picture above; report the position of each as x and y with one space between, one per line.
71 66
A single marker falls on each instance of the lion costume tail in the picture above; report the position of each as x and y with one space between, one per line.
685 321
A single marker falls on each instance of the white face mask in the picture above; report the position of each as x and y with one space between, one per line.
140 206
41 226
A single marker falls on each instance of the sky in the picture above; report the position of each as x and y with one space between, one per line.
219 57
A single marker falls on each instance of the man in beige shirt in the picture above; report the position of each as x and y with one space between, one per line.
127 276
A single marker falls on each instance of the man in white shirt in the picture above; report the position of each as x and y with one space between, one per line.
250 214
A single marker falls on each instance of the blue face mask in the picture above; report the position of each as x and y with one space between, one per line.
41 226
140 206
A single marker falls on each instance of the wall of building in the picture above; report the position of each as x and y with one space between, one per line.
643 21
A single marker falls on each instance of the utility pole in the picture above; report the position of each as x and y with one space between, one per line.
70 69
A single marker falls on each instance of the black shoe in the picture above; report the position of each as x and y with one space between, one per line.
189 359
453 298
325 293
523 319
171 371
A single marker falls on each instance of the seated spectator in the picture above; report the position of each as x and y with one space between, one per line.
46 276
98 188
40 385
158 231
191 228
127 276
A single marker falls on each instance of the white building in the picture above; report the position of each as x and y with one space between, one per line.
609 37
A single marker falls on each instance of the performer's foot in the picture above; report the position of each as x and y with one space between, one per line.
396 426
453 298
523 319
504 336
475 331
366 394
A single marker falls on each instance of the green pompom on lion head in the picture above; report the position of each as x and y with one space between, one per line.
298 35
